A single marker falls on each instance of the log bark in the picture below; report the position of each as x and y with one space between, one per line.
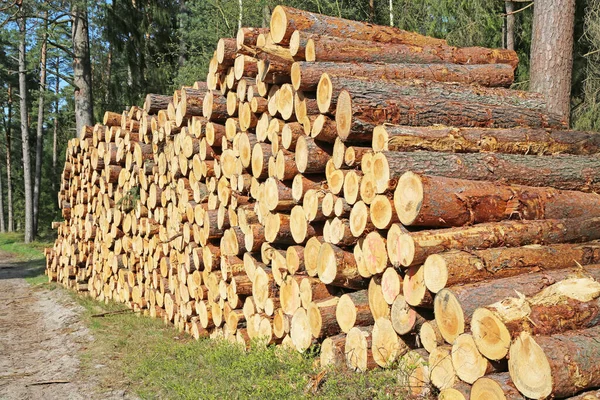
461 267
454 306
323 48
306 75
566 305
415 247
286 20
474 140
443 202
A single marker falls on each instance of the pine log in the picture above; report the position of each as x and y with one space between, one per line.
321 316
474 140
386 345
358 349
461 267
323 48
312 156
495 387
306 75
332 351
337 267
443 375
468 362
565 363
566 305
353 310
415 247
155 102
454 306
286 20
443 202
358 114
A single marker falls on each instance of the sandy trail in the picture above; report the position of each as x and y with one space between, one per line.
41 338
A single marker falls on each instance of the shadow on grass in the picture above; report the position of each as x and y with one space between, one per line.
32 270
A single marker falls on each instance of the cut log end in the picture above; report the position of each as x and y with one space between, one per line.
529 368
343 115
408 197
324 93
449 315
490 334
279 23
436 273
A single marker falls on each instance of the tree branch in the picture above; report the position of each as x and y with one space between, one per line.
61 47
519 10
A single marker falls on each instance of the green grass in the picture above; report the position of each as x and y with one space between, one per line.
157 362
31 255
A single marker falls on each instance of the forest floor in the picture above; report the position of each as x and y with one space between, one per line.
42 337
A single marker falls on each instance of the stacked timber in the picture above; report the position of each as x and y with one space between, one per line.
374 191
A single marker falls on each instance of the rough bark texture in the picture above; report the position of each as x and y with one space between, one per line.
335 49
498 234
286 20
474 140
566 172
82 70
28 187
306 75
552 53
435 201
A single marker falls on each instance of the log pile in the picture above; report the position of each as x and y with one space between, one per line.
371 190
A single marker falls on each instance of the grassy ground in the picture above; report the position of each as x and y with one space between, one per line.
156 362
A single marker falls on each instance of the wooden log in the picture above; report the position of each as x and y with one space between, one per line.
442 202
305 75
566 305
323 48
353 310
311 156
357 116
155 102
467 361
332 351
454 307
578 350
321 317
460 267
474 140
337 267
415 247
443 375
286 20
495 387
358 349
430 335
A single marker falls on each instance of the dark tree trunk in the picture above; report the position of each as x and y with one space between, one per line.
10 223
39 145
55 133
82 70
2 226
28 188
552 52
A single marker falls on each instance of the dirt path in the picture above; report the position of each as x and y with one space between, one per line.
41 338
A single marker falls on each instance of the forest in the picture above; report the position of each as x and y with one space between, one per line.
64 63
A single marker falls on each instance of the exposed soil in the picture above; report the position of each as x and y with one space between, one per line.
41 341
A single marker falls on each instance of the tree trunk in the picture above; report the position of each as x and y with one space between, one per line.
510 25
10 222
28 188
552 53
55 129
39 145
565 363
82 70
2 225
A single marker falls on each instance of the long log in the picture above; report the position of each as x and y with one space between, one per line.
343 49
454 307
461 267
474 140
414 248
565 363
566 305
286 20
306 75
443 202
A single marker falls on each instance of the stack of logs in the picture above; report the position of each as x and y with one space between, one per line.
371 190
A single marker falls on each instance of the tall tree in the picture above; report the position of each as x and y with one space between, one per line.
82 69
510 25
2 226
552 52
9 188
56 112
39 144
28 188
